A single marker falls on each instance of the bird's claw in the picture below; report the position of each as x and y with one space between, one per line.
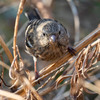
37 76
72 51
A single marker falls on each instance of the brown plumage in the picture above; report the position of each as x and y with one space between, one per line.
46 39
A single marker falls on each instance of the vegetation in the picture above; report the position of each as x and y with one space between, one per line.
69 78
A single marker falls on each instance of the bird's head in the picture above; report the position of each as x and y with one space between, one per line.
52 32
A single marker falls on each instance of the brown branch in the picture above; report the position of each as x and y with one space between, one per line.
10 96
83 43
38 97
6 49
20 10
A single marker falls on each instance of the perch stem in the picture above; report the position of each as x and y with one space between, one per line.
20 10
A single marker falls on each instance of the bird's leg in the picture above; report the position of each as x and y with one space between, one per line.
71 50
35 67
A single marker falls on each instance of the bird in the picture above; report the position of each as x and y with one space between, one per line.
45 39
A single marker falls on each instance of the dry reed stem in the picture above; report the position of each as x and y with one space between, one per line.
83 43
27 85
30 87
58 68
50 78
20 10
4 65
92 87
6 49
19 76
84 61
52 87
10 96
48 89
58 80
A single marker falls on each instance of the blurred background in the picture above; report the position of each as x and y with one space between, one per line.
80 17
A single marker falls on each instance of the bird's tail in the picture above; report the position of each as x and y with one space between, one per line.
32 14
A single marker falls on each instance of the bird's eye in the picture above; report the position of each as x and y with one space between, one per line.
44 34
59 32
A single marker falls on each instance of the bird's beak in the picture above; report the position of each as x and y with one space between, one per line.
52 39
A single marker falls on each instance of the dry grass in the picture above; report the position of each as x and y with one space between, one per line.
78 73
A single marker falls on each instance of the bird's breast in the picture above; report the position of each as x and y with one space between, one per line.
51 52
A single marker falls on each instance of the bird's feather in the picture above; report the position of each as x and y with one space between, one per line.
32 14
